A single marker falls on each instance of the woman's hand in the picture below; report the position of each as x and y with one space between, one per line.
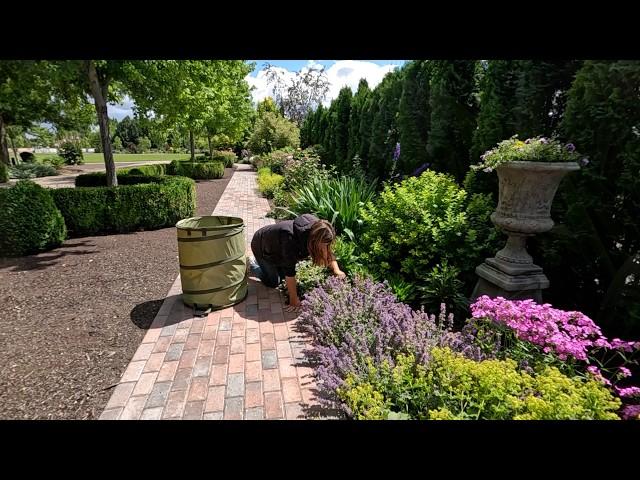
336 269
294 305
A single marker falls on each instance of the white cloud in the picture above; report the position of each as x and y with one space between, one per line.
347 73
121 110
342 73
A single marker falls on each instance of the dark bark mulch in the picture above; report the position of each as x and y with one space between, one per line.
73 317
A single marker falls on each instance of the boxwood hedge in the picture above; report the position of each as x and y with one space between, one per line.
138 203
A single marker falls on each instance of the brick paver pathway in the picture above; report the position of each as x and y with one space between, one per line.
243 362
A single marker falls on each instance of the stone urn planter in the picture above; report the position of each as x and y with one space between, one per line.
526 192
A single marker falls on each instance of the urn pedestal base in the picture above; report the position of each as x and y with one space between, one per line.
511 281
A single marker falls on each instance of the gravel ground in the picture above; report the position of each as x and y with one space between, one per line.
73 317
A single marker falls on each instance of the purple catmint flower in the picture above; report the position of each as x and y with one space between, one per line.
353 321
420 169
396 152
570 147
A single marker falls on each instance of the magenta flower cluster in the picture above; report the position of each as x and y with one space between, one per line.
567 334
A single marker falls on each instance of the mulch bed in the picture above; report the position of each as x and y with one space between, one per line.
73 317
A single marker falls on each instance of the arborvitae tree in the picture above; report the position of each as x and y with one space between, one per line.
453 116
357 106
496 120
328 139
306 129
366 122
384 132
341 128
414 116
592 256
541 94
316 133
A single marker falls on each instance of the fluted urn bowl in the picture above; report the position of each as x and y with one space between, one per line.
526 194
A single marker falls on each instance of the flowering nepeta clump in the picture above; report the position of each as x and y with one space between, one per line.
352 321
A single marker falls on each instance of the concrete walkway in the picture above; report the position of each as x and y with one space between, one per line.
243 362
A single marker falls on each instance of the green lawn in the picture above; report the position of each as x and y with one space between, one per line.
129 157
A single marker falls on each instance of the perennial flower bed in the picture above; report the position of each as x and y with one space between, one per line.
379 359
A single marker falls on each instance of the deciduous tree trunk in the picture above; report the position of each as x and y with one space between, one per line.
192 145
15 150
4 148
210 146
99 93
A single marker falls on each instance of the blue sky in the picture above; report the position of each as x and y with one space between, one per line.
296 65
340 73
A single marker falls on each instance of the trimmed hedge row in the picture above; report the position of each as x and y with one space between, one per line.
29 220
150 170
227 158
138 203
196 170
99 179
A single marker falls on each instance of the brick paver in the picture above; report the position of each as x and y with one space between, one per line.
242 362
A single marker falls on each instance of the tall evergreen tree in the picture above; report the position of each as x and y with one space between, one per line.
357 106
414 116
453 116
594 262
541 94
384 128
341 128
366 122
496 119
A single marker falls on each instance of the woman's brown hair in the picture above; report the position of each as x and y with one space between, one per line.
321 238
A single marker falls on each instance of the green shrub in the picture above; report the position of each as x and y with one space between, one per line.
301 167
426 221
309 276
137 203
53 160
196 170
99 179
403 290
272 132
4 172
227 158
29 220
442 285
453 387
31 170
269 182
144 144
72 153
275 160
149 170
256 161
